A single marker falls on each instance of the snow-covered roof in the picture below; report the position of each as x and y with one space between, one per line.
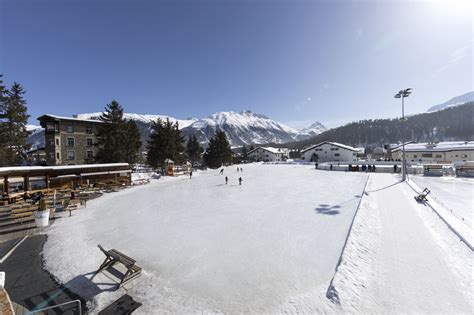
271 150
11 169
68 118
438 147
336 144
394 146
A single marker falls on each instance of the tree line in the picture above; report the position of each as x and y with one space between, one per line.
13 120
451 124
118 140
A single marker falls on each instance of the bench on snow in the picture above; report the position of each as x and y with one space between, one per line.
113 257
422 197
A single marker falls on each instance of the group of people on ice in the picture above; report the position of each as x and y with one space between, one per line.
239 169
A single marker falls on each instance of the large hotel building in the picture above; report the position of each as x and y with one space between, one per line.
69 140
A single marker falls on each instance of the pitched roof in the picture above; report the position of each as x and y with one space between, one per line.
67 118
271 150
336 144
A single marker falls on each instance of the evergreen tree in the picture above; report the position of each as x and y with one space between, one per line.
13 120
193 149
3 129
165 142
218 152
245 153
111 135
132 143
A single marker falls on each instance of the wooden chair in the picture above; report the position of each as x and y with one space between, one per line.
422 197
113 257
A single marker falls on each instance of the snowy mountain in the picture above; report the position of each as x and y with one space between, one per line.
455 101
247 127
143 118
313 130
241 128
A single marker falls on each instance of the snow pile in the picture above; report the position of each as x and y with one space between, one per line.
270 245
143 177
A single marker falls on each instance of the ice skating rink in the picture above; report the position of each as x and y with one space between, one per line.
207 246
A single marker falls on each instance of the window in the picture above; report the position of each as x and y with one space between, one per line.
464 155
334 149
57 141
90 153
336 154
415 156
51 155
50 142
438 156
50 127
71 155
69 128
70 142
427 155
89 130
89 142
57 155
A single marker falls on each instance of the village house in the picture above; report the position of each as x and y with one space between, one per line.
268 154
440 152
69 140
329 152
36 156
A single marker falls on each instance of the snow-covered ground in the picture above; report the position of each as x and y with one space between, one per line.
401 258
207 246
268 246
454 193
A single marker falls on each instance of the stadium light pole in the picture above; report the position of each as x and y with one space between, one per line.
402 94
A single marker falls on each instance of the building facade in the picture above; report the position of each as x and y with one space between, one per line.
441 152
268 154
69 141
329 152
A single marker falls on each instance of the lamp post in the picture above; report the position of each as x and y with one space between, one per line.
402 94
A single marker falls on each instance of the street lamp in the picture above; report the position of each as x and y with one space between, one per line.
402 94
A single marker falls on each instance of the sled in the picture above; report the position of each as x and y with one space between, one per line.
422 197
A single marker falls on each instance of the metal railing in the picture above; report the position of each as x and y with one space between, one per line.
59 305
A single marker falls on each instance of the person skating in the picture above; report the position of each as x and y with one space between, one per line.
221 172
190 174
240 180
226 180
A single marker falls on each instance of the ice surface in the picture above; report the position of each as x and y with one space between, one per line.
454 193
269 245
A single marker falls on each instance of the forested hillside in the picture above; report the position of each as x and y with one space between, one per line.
454 123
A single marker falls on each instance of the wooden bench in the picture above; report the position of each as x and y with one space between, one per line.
422 197
114 256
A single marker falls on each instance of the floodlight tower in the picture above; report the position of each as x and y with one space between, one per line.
402 94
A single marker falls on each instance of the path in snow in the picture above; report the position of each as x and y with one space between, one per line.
454 193
402 258
207 246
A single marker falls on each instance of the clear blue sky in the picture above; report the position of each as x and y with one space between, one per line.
294 61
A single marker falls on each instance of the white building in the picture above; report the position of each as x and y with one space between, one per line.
329 152
268 154
441 152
